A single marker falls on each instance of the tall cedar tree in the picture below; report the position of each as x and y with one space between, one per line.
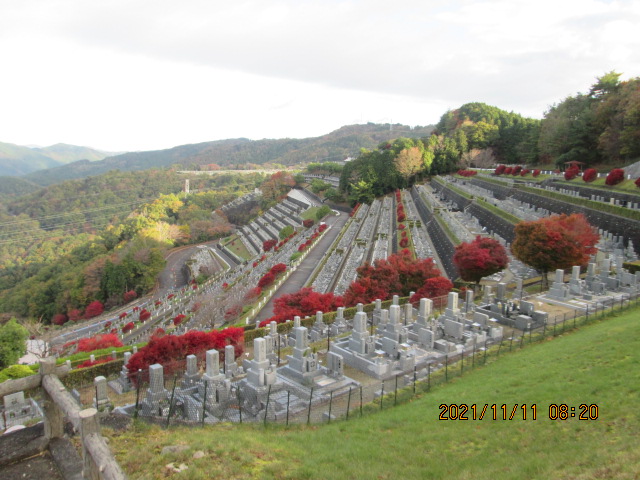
480 258
559 241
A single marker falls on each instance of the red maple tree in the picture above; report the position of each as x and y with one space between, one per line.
302 303
269 244
171 350
94 309
550 243
589 175
480 258
399 274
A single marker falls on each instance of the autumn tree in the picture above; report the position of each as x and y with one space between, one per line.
398 274
550 243
302 303
480 258
409 162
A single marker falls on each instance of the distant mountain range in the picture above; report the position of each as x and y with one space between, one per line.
16 160
335 146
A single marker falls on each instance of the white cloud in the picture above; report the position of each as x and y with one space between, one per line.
152 74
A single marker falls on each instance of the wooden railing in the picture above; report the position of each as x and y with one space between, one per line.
98 462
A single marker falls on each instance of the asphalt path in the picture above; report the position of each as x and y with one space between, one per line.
174 275
302 274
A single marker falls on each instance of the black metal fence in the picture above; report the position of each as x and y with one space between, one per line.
184 399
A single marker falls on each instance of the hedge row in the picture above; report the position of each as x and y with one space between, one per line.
85 376
602 207
496 211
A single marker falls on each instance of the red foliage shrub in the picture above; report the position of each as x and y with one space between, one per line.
158 332
122 315
571 173
589 175
232 313
158 303
178 319
59 319
516 170
252 294
144 315
170 296
254 264
278 268
354 210
98 342
269 244
129 296
401 226
107 325
322 228
433 287
637 182
196 306
302 303
524 172
508 170
467 173
266 280
399 274
94 309
308 223
128 327
404 234
615 176
500 169
536 172
404 242
171 350
401 217
89 363
74 315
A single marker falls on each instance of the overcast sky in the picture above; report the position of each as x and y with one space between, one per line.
149 74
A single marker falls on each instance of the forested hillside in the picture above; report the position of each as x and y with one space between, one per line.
601 126
239 153
19 160
70 244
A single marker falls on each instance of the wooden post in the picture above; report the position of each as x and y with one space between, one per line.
53 415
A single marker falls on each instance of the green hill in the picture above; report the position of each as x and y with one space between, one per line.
18 160
15 186
337 145
596 365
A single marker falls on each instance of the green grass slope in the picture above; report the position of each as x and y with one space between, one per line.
598 364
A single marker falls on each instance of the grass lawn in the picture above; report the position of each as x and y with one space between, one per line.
236 246
596 365
626 186
310 213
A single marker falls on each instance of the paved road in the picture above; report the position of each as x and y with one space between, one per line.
174 276
298 278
